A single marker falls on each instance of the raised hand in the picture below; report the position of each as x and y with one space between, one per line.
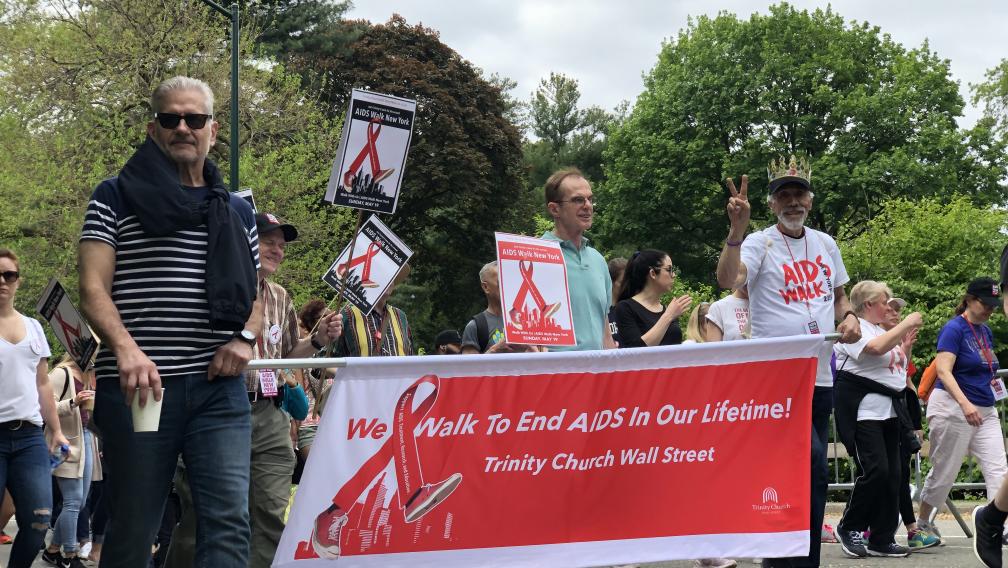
738 205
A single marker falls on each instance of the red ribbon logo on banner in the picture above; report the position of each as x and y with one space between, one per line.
517 313
365 259
416 498
71 333
369 151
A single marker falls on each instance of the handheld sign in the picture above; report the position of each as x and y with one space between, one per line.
71 330
368 169
246 194
533 290
378 256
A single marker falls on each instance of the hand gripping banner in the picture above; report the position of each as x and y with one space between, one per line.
565 458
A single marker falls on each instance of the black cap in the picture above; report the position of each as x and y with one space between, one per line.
266 222
447 337
986 289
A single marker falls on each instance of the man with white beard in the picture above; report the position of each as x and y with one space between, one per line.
795 278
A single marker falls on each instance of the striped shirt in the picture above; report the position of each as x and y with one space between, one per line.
279 334
159 285
361 338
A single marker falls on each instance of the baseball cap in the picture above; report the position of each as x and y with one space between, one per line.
268 222
447 337
986 289
898 303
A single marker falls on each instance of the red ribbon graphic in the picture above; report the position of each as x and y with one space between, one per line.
366 259
529 287
369 151
72 335
401 448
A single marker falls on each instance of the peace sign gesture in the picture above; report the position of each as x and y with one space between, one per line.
738 205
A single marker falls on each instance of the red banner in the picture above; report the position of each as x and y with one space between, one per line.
561 458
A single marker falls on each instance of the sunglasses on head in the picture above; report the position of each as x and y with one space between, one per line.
170 120
10 275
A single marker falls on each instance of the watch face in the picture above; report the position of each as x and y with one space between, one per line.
247 335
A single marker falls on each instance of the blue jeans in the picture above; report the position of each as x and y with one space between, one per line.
24 471
208 423
74 491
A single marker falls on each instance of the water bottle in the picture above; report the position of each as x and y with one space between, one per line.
55 459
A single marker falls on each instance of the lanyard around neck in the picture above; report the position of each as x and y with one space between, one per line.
986 351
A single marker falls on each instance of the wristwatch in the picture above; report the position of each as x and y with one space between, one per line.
246 336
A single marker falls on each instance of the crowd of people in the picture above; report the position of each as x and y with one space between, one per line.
176 278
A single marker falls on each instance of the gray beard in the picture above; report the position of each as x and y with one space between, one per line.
793 226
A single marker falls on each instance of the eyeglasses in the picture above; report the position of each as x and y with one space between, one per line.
579 200
10 275
670 269
171 120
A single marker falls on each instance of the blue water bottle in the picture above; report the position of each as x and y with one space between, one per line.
55 459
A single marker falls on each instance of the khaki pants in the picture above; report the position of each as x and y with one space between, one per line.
269 491
952 438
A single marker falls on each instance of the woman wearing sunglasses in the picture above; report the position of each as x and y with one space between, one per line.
641 319
25 397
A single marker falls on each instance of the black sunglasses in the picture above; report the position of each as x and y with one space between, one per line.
171 120
10 275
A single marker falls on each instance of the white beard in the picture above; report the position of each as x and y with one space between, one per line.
793 226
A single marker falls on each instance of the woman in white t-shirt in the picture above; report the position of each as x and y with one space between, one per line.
25 397
871 376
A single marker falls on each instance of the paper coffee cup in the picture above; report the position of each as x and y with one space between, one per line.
146 418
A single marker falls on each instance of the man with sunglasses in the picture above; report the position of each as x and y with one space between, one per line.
570 202
167 262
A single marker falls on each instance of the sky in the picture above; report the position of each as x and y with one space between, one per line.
608 45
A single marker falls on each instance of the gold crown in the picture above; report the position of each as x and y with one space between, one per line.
795 170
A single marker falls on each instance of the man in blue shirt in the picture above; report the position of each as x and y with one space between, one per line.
570 202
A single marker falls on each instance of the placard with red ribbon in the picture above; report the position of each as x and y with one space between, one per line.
377 258
533 290
368 170
66 322
558 459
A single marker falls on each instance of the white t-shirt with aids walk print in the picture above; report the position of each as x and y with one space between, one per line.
791 283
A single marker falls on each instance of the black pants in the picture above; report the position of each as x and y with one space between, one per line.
874 501
906 507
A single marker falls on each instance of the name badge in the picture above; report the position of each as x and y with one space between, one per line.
998 388
274 334
268 382
813 327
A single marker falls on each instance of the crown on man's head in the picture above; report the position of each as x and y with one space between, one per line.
794 171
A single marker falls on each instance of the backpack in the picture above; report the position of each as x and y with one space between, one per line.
482 331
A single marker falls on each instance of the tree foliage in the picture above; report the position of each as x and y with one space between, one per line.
928 250
463 174
993 94
75 104
727 95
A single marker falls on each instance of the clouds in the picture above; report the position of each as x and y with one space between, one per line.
608 45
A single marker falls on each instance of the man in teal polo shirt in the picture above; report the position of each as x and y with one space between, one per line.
570 202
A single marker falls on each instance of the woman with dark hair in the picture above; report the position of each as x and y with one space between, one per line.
961 414
25 398
641 319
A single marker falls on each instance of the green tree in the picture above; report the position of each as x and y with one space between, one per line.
75 103
993 94
928 250
463 174
287 28
728 95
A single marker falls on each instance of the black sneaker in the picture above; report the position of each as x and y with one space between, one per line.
54 558
852 543
986 540
892 550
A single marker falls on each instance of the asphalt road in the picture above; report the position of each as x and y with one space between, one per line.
957 553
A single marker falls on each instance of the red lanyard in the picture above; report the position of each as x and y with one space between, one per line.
985 350
808 307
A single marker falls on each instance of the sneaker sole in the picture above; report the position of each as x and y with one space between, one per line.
433 499
887 554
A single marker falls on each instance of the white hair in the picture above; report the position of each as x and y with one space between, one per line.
492 265
181 83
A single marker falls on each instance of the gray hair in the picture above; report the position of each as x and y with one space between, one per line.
492 265
181 83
